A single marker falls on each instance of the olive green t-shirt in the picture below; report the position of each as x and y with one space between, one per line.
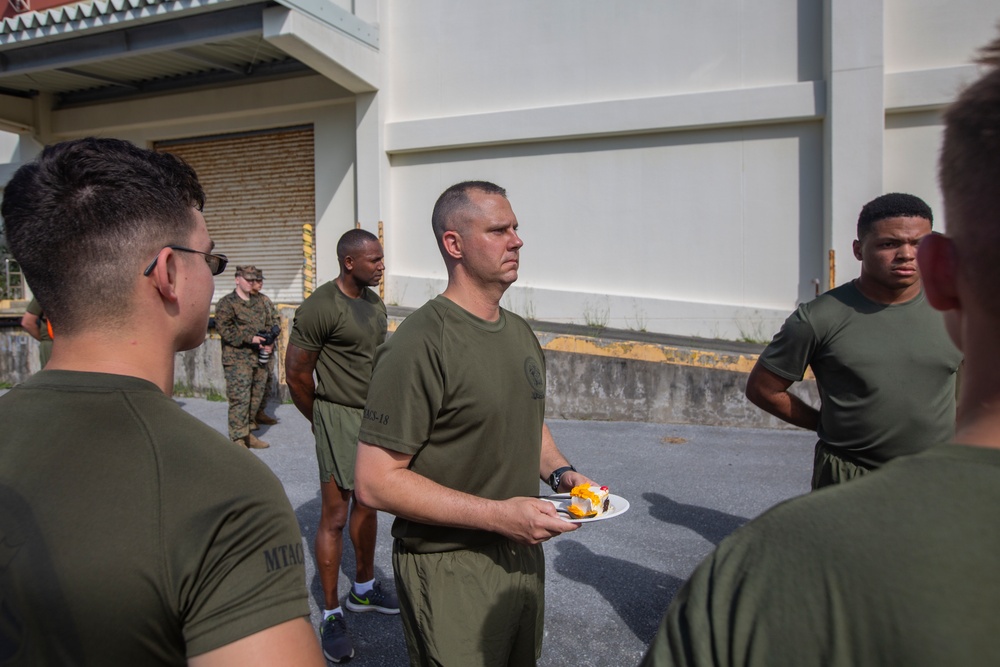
345 332
885 373
896 568
130 532
466 398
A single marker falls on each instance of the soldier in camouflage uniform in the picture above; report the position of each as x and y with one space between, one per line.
261 417
239 316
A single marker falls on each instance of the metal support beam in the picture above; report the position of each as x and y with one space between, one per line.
97 77
215 78
211 62
149 38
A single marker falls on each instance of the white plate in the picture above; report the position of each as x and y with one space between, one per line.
562 501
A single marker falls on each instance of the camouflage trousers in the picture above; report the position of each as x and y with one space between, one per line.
245 382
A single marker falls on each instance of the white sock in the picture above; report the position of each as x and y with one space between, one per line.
327 613
362 588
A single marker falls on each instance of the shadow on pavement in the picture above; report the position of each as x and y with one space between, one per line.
711 524
638 594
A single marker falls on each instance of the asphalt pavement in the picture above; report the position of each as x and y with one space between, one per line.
608 583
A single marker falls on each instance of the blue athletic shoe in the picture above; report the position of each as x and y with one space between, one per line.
336 642
374 600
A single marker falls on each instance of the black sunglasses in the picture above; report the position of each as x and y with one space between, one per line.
216 263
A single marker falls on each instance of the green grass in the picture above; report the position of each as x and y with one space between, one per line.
596 316
213 395
185 391
752 330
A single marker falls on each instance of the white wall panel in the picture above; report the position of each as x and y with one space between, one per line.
452 58
910 141
927 34
711 217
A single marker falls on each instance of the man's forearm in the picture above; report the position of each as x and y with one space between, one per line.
553 459
299 367
769 392
303 395
788 407
383 481
32 324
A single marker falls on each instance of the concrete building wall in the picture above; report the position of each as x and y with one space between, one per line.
451 60
678 168
587 377
683 168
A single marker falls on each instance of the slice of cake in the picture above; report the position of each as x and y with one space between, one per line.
589 501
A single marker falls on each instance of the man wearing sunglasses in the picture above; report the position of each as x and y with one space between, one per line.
130 532
240 317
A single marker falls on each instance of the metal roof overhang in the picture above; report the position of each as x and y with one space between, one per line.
99 51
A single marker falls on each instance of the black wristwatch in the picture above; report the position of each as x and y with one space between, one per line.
556 477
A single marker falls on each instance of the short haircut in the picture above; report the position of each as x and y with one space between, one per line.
453 207
87 215
892 205
352 242
968 171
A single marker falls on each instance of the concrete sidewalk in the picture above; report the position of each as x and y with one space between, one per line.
609 582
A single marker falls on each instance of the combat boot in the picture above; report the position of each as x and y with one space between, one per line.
263 418
253 442
240 442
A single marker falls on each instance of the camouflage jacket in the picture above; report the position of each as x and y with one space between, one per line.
238 321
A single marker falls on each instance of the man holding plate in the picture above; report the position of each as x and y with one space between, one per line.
453 443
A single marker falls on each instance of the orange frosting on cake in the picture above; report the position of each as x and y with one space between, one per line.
587 493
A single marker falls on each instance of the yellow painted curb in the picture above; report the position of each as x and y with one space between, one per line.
663 354
651 352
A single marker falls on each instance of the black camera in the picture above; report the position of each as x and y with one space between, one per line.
269 336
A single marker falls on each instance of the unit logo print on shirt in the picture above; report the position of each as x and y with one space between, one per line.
535 378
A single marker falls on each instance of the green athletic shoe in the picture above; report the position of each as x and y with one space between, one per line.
374 600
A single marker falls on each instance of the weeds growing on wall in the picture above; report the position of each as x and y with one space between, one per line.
753 330
638 321
186 391
596 316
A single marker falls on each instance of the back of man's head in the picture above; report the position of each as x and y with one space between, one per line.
86 216
454 207
969 172
892 205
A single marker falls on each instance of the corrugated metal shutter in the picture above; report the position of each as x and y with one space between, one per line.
260 193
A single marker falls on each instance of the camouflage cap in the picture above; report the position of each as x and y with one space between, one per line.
247 271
